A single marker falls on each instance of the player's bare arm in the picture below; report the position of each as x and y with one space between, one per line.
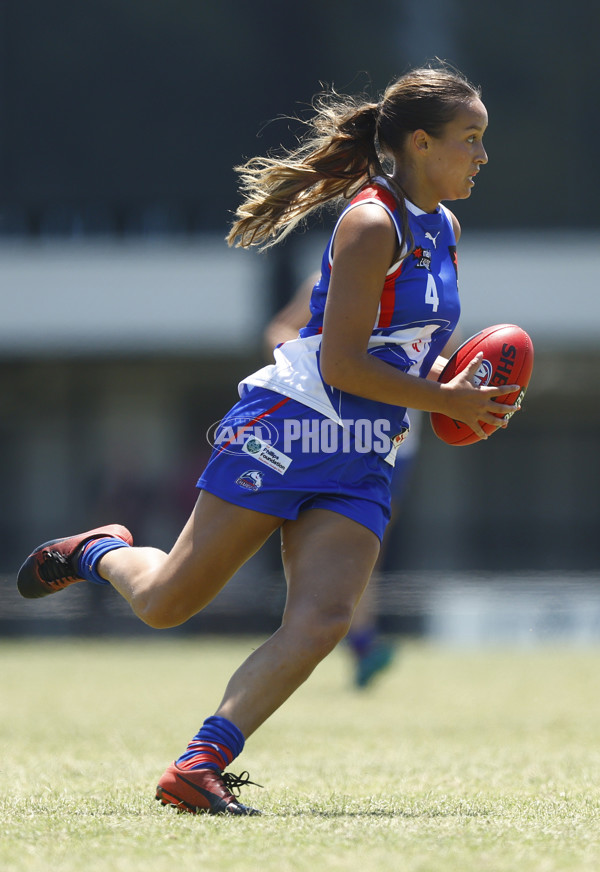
365 248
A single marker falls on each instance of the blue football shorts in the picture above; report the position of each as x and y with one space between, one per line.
277 456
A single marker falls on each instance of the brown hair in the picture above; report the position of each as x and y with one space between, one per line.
343 148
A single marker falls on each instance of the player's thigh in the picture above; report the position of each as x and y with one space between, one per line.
217 540
328 560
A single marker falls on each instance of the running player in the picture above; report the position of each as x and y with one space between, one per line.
371 652
309 448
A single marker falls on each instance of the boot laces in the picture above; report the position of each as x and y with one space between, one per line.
235 782
55 567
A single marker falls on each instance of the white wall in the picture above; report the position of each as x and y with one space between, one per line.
130 297
548 283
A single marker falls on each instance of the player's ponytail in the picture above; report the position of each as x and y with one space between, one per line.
342 150
337 156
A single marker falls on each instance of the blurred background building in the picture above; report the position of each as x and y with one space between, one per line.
127 322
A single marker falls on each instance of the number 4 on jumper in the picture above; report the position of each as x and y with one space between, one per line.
431 294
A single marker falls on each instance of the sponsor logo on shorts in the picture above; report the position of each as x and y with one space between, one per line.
268 455
250 480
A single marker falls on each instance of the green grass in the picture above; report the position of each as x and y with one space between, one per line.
455 761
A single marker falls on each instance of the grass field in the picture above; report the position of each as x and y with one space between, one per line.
482 760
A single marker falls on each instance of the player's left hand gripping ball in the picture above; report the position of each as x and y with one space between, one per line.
507 360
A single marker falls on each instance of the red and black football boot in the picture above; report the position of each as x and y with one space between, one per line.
53 565
203 790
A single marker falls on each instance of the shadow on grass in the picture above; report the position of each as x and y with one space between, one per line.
462 810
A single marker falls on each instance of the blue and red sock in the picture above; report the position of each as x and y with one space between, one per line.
214 746
91 553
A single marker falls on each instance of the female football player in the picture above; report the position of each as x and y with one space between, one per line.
371 652
309 449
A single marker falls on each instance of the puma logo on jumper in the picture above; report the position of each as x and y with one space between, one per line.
433 238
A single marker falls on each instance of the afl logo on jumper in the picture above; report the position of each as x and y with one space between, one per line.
250 480
423 257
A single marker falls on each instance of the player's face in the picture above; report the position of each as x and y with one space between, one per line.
455 158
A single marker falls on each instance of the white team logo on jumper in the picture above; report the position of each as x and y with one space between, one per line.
433 238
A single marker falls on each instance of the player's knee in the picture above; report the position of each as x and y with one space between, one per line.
322 631
159 612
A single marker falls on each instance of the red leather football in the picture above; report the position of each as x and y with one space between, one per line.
507 359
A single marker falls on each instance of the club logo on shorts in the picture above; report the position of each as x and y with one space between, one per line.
483 374
253 446
250 480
